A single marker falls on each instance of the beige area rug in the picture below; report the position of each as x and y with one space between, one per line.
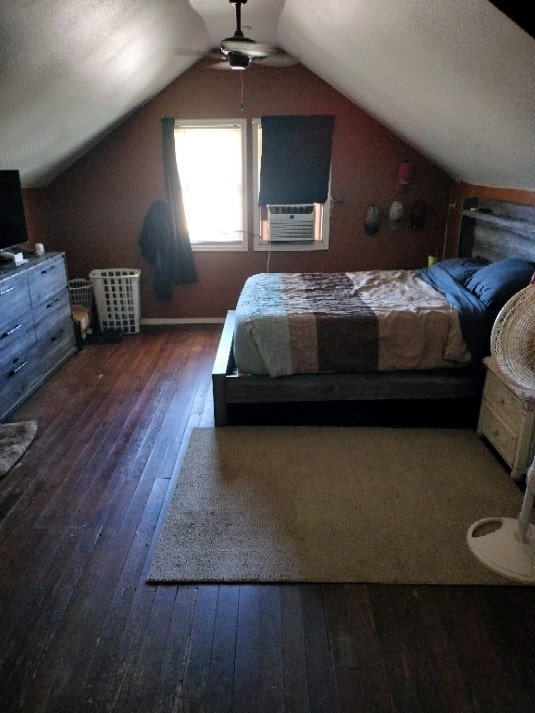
323 504
15 439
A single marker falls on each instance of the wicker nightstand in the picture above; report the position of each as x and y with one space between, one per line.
507 419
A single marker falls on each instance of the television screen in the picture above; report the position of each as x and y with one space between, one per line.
13 230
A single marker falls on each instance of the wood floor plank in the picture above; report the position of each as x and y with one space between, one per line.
258 677
402 650
294 658
247 674
175 654
220 685
196 674
271 693
361 678
142 692
321 683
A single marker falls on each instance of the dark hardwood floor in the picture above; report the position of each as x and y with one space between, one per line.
80 629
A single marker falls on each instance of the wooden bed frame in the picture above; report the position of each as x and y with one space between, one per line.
511 235
230 388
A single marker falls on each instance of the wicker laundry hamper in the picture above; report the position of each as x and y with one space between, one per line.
81 292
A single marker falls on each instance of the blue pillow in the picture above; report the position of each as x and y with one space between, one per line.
462 268
497 282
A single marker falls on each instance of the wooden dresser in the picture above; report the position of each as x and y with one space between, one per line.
36 328
507 420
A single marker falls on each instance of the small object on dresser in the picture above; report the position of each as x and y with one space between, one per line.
17 258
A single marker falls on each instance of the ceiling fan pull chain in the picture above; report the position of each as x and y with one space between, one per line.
242 101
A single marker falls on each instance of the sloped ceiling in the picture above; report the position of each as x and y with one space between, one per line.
455 79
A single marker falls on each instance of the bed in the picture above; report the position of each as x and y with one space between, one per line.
309 337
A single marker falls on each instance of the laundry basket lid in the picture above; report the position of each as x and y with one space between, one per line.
512 341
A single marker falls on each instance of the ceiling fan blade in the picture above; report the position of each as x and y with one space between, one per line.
248 47
220 65
278 59
214 53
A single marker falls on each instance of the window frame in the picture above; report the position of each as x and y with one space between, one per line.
261 245
235 245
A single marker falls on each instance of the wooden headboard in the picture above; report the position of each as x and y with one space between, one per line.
496 230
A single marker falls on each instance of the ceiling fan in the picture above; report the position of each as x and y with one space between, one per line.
239 52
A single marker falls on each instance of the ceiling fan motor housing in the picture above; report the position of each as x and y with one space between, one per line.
240 51
237 60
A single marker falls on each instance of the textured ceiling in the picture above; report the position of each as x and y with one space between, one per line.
455 79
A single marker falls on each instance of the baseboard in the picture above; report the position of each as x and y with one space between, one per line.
159 321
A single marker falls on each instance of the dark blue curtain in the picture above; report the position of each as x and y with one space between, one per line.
296 159
183 267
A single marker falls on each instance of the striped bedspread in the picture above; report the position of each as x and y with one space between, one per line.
298 323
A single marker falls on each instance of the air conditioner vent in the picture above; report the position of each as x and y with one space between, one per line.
291 223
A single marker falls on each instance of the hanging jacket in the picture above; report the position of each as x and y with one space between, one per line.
158 248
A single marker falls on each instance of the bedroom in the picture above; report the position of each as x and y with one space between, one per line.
94 210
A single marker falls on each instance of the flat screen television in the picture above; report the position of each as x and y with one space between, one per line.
13 228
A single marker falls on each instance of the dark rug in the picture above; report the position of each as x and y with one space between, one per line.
15 438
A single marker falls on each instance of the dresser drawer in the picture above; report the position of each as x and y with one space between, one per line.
24 372
47 280
17 376
53 311
497 432
503 400
57 335
58 345
14 298
16 337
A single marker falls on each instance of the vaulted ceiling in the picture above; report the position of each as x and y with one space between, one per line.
455 79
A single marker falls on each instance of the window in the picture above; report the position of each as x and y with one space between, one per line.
321 212
211 158
211 161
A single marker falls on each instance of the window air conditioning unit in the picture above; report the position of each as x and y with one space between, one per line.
291 223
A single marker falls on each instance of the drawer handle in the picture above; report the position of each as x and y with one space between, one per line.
51 304
17 368
57 336
9 289
44 271
10 331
